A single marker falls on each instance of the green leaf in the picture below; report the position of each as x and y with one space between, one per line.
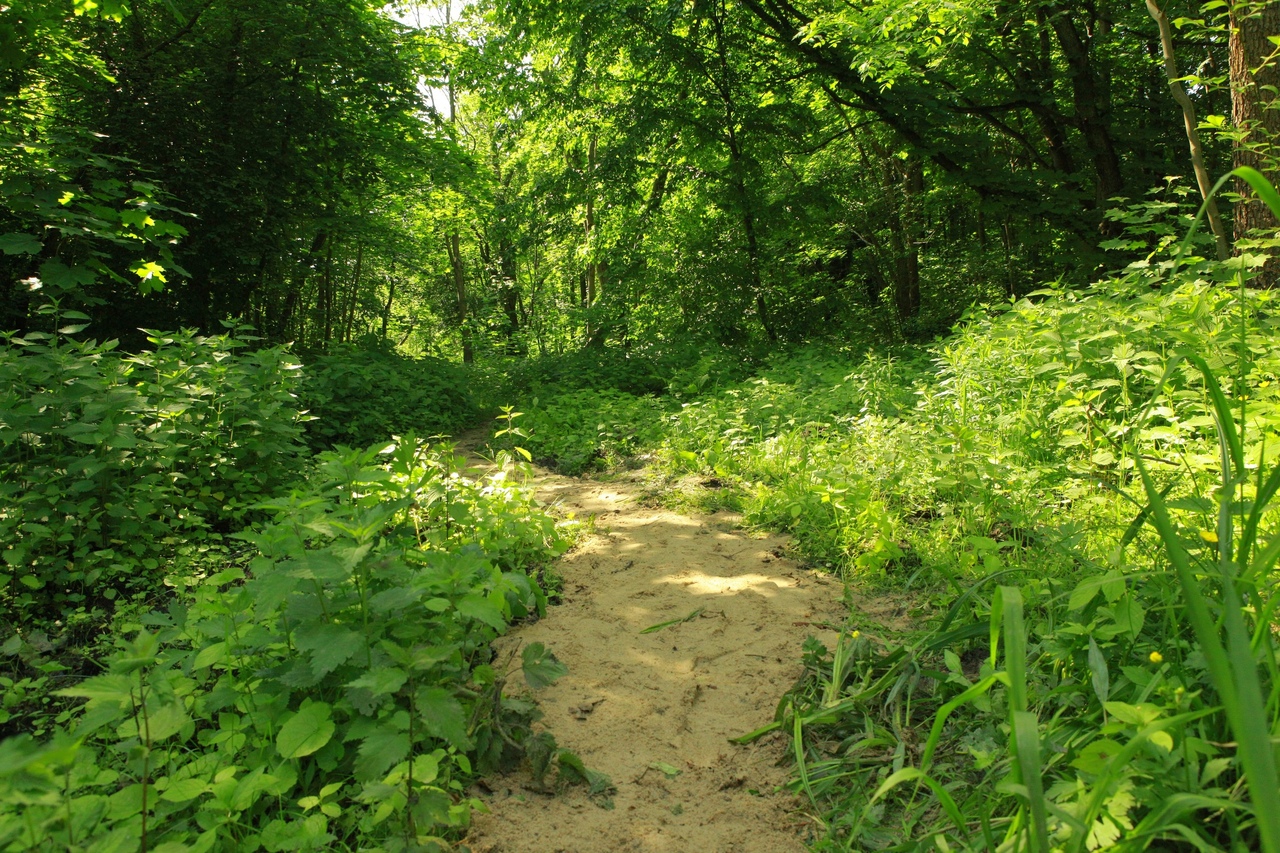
307 731
478 607
443 716
1026 736
166 721
184 789
914 774
1101 676
330 645
573 770
1087 589
112 688
210 655
20 244
1130 615
1096 755
1135 715
540 666
665 769
378 752
381 680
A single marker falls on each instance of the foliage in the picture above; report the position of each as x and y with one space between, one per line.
83 226
110 456
653 200
1057 698
577 431
337 694
362 394
636 373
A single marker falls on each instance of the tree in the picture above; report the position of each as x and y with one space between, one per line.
1255 110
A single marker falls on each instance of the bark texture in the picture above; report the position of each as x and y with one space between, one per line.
1255 76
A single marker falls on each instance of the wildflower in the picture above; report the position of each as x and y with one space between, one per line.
1156 657
1209 536
855 635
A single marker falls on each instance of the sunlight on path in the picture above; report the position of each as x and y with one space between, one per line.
673 697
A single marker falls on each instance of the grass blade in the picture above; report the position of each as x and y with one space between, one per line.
913 774
687 618
1234 674
1026 736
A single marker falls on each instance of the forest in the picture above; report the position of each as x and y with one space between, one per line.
329 329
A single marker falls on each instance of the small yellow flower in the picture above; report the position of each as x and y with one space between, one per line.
1209 536
856 634
1156 657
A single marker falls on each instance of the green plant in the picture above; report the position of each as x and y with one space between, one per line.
338 693
361 394
108 456
578 431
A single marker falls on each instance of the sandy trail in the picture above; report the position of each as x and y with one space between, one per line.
673 697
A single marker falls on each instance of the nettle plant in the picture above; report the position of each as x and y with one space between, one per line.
108 456
1104 673
337 694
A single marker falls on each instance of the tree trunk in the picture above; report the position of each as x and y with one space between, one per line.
355 292
1193 135
391 298
280 326
1254 83
737 168
1092 106
326 295
460 290
509 289
590 225
908 293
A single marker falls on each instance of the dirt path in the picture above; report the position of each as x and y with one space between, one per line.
633 701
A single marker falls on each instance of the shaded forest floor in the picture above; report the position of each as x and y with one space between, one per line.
655 711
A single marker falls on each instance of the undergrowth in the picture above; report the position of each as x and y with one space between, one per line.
1077 490
358 395
222 643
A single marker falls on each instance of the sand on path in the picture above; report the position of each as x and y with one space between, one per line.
639 706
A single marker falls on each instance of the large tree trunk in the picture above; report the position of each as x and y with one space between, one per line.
1092 106
1254 83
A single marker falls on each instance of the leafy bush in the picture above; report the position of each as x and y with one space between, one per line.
361 395
108 456
337 695
578 431
1058 698
687 368
636 373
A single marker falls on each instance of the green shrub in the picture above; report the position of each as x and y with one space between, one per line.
107 457
577 431
359 395
1058 697
599 369
337 695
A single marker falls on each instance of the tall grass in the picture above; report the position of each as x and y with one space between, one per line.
1084 480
